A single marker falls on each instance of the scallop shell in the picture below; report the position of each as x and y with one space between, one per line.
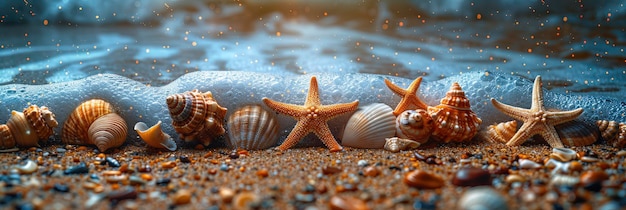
501 132
416 125
454 120
577 133
108 131
252 128
396 144
154 136
196 115
369 127
482 198
77 124
28 128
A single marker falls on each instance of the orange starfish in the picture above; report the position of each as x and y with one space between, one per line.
409 96
537 120
312 117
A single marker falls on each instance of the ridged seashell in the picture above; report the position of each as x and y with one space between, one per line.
564 180
26 129
369 126
620 142
608 129
454 120
501 132
482 198
196 115
563 154
396 144
94 122
416 125
577 133
252 128
154 136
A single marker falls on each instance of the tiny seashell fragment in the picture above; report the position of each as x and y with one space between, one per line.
28 168
196 116
528 164
396 144
252 128
577 133
416 125
454 120
482 198
563 154
154 136
564 180
369 126
501 132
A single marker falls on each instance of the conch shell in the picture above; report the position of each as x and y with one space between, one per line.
28 128
196 115
396 144
369 127
501 132
454 120
154 136
94 122
252 128
415 125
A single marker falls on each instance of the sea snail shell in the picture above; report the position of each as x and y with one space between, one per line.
94 123
501 132
154 136
26 129
252 128
369 127
454 120
415 125
196 115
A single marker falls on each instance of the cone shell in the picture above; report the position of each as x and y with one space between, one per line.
26 129
154 136
416 125
396 144
501 132
108 131
77 124
196 115
454 120
577 133
369 126
252 128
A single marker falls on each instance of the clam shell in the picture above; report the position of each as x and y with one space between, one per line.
454 120
77 124
415 125
108 131
608 129
577 133
196 115
396 144
154 136
369 126
501 132
482 198
252 128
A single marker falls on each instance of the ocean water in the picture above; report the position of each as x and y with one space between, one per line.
135 53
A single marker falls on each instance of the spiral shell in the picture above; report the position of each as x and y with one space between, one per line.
482 198
154 136
108 131
415 125
94 122
369 126
252 128
196 115
577 133
501 132
613 132
28 128
454 120
620 142
396 144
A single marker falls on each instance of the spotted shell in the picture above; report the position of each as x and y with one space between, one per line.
196 116
106 133
396 144
577 133
501 132
416 125
482 198
154 136
28 128
454 120
252 128
369 126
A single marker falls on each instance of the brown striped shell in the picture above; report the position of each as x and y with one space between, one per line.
416 125
196 115
252 128
108 131
28 128
454 120
501 132
94 122
577 133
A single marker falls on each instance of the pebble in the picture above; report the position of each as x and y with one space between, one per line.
471 177
592 180
423 180
338 202
61 188
135 180
245 200
122 194
514 178
168 164
224 167
81 168
61 150
226 194
233 155
528 164
621 153
262 173
371 171
163 181
305 198
330 170
482 198
362 163
182 197
145 169
112 162
184 159
589 159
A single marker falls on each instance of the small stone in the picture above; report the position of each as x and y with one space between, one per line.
471 177
621 153
233 155
224 167
262 173
135 180
592 180
589 159
227 194
305 198
81 168
575 166
112 162
122 194
60 150
182 197
423 180
371 171
346 203
184 159
330 170
61 188
145 168
528 164
362 163
168 164
514 178
245 200
163 181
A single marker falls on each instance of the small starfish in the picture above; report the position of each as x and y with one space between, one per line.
537 120
312 117
409 96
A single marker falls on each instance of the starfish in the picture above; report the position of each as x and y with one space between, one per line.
312 117
537 120
409 96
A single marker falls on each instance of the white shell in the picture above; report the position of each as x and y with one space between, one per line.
482 198
369 126
252 128
563 154
564 180
528 164
154 136
396 144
